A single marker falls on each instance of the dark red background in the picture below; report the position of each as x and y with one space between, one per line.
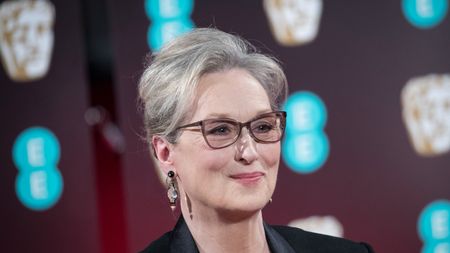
373 181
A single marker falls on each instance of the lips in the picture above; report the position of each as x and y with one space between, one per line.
247 178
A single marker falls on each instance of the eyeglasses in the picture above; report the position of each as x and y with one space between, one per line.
221 133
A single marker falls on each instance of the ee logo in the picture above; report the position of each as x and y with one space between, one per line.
36 155
425 13
170 18
434 227
305 146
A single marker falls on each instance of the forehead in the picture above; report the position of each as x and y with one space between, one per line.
232 93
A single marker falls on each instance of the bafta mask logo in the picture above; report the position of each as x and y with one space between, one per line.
26 41
294 22
426 113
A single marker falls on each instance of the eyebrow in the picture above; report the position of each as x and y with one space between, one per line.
227 116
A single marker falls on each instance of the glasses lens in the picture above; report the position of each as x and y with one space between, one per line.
220 133
268 128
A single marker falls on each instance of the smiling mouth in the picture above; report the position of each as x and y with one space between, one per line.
248 178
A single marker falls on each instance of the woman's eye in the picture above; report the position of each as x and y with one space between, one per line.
262 128
220 130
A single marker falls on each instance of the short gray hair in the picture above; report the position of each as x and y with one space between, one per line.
169 82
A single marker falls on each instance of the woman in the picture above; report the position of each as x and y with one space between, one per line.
212 115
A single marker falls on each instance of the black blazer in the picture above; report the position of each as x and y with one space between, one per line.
281 239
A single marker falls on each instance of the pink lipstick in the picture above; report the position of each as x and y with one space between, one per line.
248 178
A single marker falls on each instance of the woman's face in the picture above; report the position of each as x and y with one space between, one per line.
240 177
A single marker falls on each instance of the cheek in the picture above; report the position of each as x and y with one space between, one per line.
206 159
202 174
197 164
270 153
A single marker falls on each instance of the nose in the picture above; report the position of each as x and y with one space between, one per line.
246 151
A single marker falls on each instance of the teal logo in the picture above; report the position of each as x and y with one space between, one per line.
160 33
437 247
36 155
306 112
425 13
170 19
434 227
168 9
305 146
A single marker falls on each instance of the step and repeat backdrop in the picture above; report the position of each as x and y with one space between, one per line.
366 154
47 191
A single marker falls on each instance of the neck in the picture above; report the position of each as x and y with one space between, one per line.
215 231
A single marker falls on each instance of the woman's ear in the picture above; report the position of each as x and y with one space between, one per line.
163 152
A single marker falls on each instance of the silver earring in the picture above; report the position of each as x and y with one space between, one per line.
172 192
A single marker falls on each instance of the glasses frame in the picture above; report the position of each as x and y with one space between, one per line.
241 125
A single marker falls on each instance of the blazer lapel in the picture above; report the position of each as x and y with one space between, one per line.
276 242
182 240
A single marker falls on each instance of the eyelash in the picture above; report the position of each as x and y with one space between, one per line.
218 130
267 127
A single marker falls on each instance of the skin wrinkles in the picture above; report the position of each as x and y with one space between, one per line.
212 188
229 208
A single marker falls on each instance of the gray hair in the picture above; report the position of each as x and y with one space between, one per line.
169 82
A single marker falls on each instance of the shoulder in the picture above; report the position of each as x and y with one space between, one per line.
159 245
303 240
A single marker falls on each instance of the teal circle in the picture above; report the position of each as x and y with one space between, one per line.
39 189
35 148
436 247
434 221
305 153
160 33
158 10
306 112
425 13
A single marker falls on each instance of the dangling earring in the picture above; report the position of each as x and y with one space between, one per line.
172 192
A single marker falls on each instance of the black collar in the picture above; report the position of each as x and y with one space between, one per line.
182 241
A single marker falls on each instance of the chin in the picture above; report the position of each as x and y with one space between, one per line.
237 215
242 207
